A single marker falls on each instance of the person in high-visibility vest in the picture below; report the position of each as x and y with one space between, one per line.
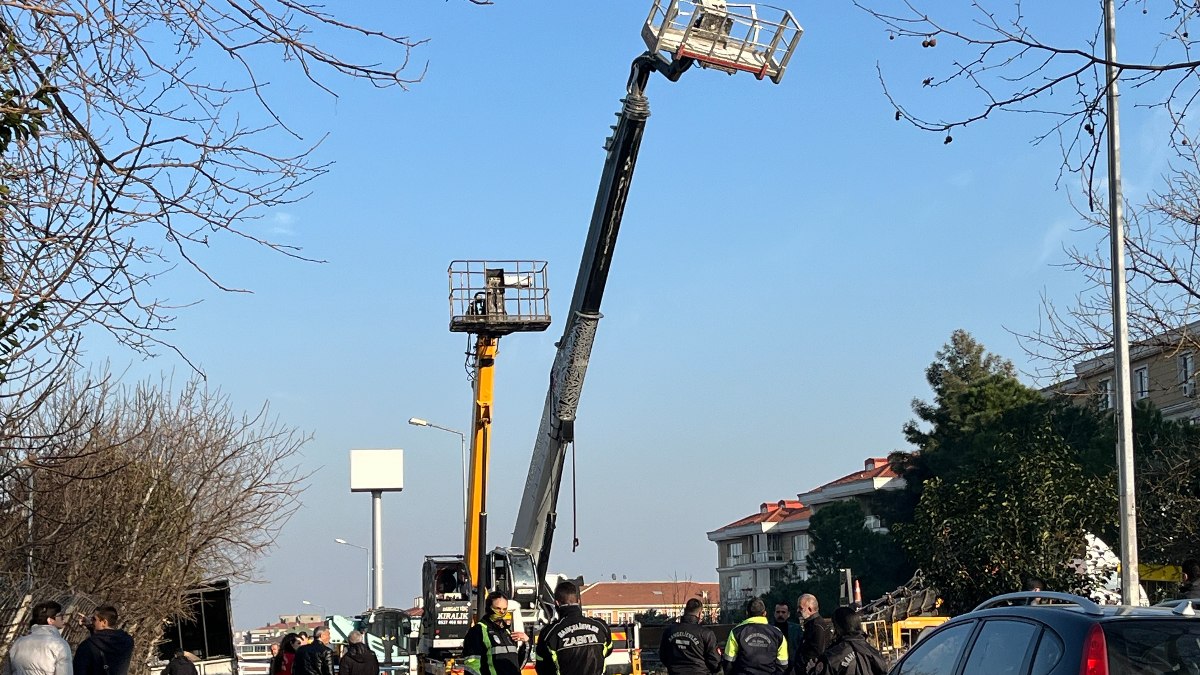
489 647
755 647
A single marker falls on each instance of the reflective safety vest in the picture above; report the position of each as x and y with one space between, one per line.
755 647
488 649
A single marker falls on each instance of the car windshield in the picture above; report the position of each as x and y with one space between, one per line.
1153 647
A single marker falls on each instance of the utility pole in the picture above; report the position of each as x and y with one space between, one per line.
1130 587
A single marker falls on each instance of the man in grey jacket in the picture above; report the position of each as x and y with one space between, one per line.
43 651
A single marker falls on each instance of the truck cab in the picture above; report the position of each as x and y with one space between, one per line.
446 589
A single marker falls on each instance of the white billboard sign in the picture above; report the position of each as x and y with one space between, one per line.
376 470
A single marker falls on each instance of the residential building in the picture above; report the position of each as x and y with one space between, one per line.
753 553
758 551
875 476
1162 370
617 602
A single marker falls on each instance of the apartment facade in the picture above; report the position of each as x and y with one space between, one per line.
754 552
757 551
1162 370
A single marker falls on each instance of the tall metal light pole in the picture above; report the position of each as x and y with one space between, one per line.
305 602
367 551
462 448
1130 588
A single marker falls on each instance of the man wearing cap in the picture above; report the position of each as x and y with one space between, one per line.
489 647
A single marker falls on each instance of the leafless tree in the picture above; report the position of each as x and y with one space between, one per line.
167 490
134 138
137 135
990 57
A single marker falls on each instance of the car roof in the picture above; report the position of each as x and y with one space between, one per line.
1020 604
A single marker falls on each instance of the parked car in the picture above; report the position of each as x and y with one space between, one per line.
1059 634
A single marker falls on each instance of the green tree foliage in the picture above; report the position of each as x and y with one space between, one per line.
841 540
791 587
957 367
1022 509
1167 469
971 389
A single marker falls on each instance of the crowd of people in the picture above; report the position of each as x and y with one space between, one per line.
297 654
756 646
574 644
43 651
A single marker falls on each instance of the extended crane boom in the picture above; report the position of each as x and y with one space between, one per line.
711 34
535 521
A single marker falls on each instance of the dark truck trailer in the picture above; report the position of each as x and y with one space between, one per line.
207 633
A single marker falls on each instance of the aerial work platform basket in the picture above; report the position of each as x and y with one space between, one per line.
753 38
498 297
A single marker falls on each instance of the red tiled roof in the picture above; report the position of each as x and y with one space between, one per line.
779 512
875 467
647 593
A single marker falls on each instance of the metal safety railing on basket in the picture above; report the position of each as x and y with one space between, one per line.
498 297
730 37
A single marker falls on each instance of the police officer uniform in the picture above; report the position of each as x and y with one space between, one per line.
572 644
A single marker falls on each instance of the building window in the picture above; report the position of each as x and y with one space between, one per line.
1187 373
800 548
872 523
774 541
1104 388
1141 383
735 549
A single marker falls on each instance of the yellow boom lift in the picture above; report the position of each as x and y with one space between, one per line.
488 300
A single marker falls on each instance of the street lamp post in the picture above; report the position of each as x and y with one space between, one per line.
1127 506
366 551
305 602
462 447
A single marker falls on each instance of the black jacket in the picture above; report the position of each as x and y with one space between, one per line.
755 647
852 655
358 659
313 658
818 634
572 644
180 665
1189 590
110 647
488 649
687 648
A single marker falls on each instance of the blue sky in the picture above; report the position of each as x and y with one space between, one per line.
790 260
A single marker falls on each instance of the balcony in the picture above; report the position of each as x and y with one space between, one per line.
757 558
